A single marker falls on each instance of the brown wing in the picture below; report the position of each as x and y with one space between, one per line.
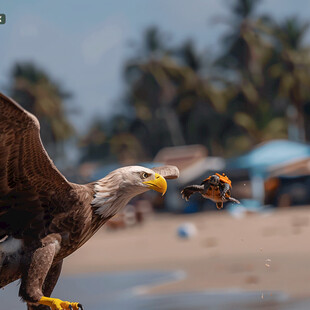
168 172
31 187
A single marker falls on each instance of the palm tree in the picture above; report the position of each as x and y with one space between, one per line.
241 42
107 140
291 71
189 56
152 95
168 93
151 91
35 91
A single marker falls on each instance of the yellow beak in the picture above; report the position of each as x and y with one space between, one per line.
159 184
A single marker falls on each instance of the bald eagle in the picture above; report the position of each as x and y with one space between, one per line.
43 217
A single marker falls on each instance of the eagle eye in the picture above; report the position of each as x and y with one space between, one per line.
144 175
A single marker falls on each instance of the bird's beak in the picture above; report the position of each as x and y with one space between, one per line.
159 184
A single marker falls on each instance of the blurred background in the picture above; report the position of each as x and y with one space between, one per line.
208 86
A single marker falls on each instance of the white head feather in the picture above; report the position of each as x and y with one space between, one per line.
115 190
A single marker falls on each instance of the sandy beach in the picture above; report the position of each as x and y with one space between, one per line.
268 252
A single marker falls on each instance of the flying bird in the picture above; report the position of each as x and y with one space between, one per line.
44 217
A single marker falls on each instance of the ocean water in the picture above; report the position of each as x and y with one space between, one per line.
128 291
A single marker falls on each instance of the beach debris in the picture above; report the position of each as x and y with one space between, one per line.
267 262
187 230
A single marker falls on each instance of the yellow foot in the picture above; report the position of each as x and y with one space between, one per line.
57 304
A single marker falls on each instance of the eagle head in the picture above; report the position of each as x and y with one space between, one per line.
114 191
136 180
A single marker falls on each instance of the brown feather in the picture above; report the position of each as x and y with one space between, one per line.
30 184
43 217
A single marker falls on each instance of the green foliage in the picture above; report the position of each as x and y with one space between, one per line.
255 90
36 92
111 140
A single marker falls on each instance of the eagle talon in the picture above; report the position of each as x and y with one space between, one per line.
57 304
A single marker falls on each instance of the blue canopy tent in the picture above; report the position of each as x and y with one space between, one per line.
258 161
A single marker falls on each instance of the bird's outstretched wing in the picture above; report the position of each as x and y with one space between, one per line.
31 187
168 172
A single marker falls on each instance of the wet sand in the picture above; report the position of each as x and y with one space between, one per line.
260 252
122 290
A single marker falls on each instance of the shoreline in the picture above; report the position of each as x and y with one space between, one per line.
256 253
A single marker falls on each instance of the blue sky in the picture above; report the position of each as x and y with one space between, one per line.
83 44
